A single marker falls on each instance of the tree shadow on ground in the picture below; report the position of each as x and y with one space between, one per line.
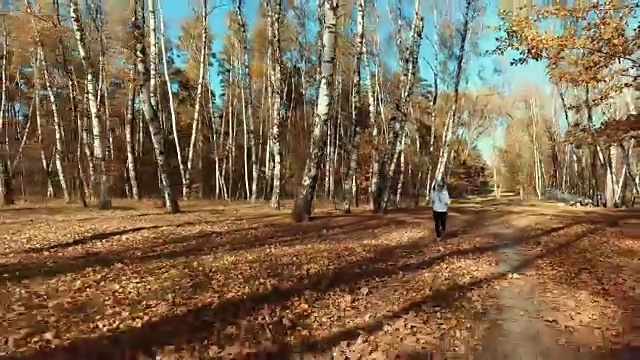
604 268
443 297
203 322
329 229
275 234
333 229
101 236
106 235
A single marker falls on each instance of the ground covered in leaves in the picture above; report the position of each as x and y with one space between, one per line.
509 281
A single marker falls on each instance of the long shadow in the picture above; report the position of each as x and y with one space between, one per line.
198 323
332 229
280 234
481 218
443 297
101 236
599 275
20 209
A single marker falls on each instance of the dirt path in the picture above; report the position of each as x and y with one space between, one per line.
519 327
516 330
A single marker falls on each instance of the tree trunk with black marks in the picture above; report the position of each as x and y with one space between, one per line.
150 114
356 111
275 70
409 63
98 148
304 200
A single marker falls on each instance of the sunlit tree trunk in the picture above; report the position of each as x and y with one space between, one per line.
304 200
248 94
43 156
356 112
275 70
400 185
6 190
453 114
396 126
58 147
172 107
373 116
86 142
150 114
186 187
128 133
98 148
153 53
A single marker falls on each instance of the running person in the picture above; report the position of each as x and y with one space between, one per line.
440 204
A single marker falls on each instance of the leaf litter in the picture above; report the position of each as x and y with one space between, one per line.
243 282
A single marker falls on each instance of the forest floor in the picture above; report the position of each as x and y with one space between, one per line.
509 281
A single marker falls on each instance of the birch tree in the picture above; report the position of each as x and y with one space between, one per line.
202 64
275 78
470 13
357 116
247 97
150 113
304 200
128 131
6 190
98 147
172 106
409 51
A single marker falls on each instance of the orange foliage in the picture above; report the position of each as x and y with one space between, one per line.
591 46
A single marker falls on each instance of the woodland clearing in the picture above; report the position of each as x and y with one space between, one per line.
240 281
335 101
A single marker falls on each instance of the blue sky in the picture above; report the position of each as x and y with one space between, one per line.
175 12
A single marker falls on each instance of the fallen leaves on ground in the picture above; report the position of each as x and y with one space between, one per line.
240 281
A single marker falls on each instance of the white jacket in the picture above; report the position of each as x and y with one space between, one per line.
440 200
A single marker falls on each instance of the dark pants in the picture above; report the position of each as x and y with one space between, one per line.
440 222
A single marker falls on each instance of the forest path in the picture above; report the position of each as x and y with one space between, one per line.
517 328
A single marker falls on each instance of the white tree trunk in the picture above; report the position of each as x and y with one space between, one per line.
186 187
304 201
153 53
86 141
5 176
246 88
58 147
375 157
276 98
409 64
98 148
37 90
172 107
128 133
400 185
356 111
452 117
150 113
536 152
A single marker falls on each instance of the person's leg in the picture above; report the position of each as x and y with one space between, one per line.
436 223
443 223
